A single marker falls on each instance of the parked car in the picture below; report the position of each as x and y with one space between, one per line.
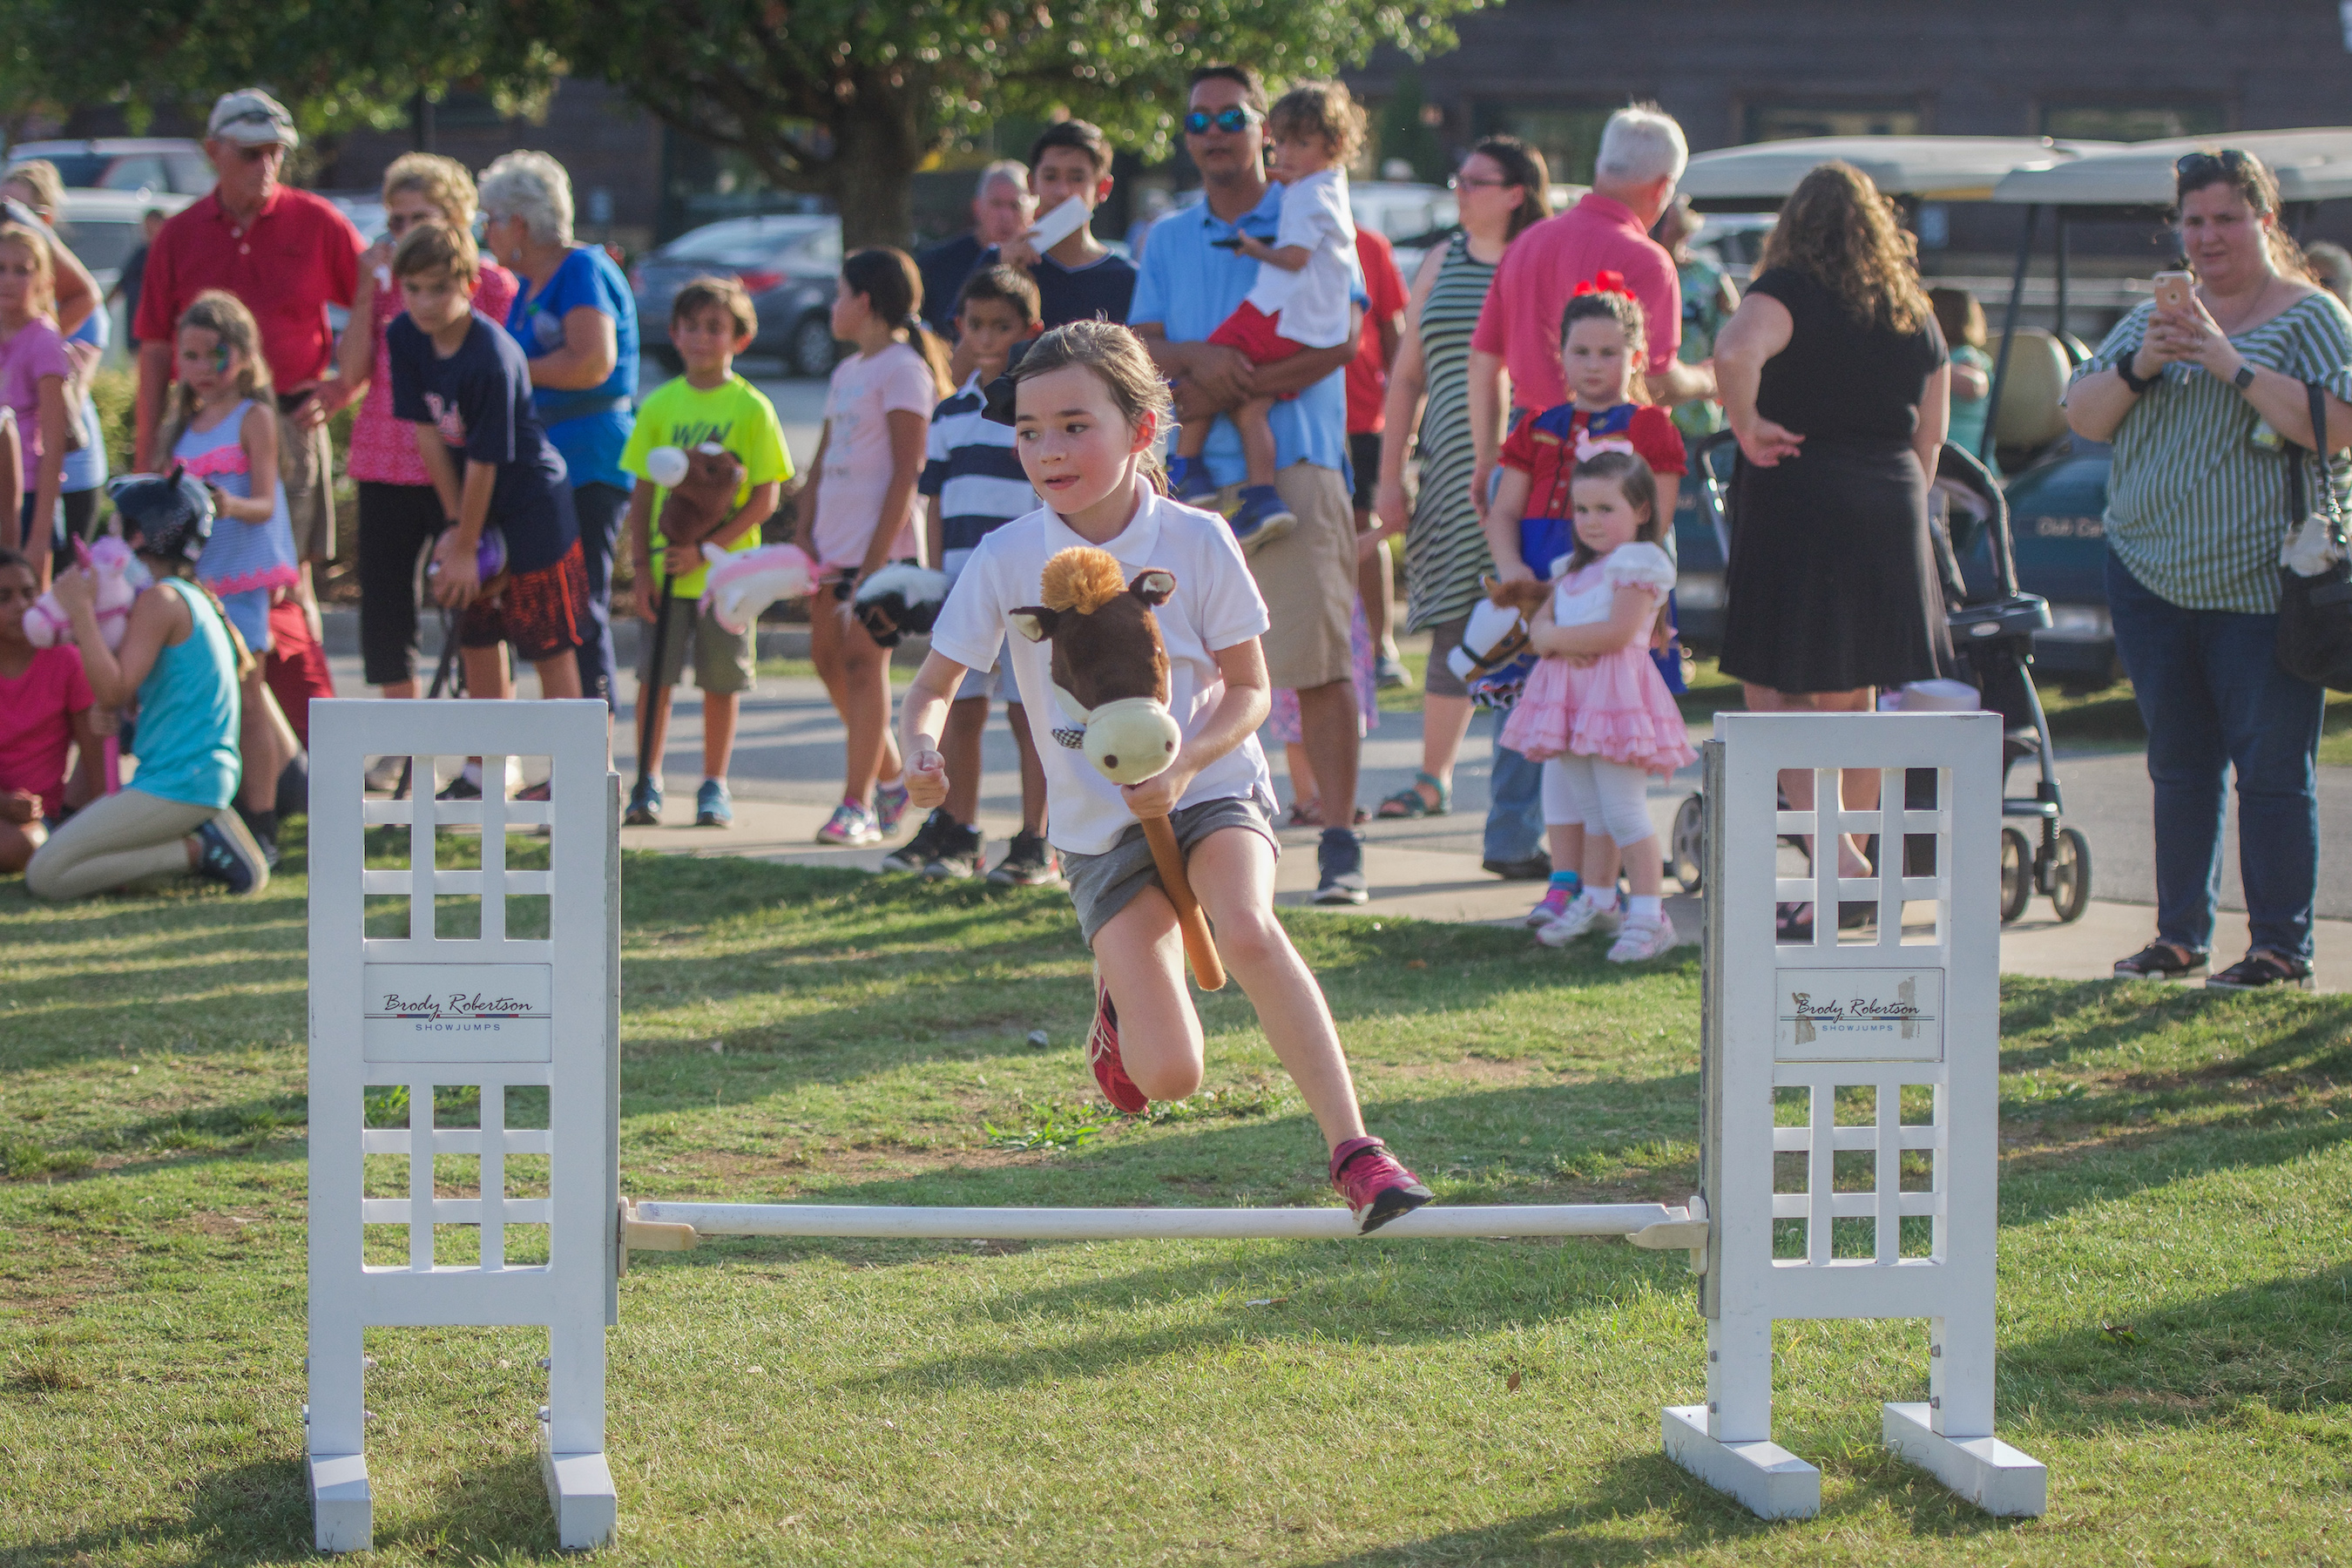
159 165
103 228
788 262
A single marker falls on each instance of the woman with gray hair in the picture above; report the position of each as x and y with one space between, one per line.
577 322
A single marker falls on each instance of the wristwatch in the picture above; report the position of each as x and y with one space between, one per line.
2245 376
2137 383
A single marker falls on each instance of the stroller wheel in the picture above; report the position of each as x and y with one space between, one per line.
2016 874
1685 848
2070 875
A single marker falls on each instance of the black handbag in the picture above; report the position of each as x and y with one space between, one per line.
2314 626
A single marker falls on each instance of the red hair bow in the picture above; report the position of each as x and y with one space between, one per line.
1602 282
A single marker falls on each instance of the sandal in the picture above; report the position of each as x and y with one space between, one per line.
1409 801
1309 813
2260 969
1794 923
2160 961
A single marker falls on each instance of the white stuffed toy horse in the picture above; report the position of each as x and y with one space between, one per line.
740 587
120 579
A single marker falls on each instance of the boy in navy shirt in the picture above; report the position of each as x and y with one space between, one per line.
1079 278
466 385
977 485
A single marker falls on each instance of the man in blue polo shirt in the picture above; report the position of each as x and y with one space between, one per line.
1188 283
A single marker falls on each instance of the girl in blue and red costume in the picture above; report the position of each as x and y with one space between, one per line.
1531 523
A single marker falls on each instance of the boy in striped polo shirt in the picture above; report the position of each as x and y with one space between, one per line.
976 484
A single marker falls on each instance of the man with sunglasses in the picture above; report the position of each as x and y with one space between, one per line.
1191 280
288 255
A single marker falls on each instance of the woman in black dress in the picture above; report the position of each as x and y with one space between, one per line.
1834 376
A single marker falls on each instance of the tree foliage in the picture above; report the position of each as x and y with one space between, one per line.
847 98
337 65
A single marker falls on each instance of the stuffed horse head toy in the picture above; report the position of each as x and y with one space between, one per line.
120 579
702 484
1494 657
1110 669
740 587
900 600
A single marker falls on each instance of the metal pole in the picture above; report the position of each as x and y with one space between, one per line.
2060 237
2008 334
1160 1223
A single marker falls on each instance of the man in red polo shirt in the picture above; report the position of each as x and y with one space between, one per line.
288 255
1642 156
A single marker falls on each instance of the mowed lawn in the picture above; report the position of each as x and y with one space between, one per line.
2176 1284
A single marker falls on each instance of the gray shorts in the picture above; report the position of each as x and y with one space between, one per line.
1102 885
1439 680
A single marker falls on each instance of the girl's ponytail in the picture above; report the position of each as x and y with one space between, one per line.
935 351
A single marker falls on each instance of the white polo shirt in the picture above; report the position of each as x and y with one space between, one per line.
1215 606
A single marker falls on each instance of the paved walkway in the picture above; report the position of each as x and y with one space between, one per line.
788 766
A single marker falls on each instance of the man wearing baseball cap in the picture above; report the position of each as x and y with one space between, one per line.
288 255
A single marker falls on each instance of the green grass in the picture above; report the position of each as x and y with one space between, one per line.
2174 1290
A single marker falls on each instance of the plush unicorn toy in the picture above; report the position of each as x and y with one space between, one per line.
120 579
740 587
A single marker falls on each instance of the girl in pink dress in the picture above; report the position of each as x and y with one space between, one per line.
1597 713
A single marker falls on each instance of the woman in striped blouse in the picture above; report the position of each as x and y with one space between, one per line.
1501 188
2193 399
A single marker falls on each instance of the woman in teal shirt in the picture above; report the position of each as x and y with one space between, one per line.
181 664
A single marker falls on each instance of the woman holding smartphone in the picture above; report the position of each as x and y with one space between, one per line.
2193 388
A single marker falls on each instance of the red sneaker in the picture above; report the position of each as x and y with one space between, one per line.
1102 1053
1377 1188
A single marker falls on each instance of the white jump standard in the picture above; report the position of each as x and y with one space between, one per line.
488 1011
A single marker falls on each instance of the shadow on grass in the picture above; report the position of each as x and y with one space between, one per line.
258 1512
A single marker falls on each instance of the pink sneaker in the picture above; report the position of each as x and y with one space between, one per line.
1102 1054
1553 906
1377 1188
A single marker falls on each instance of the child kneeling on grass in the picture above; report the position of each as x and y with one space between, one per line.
1089 410
183 663
710 321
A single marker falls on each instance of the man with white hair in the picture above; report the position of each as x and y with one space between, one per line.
1642 157
1001 208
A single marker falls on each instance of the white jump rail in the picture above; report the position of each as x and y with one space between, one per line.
1891 1011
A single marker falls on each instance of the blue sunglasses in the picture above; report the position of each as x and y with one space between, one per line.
1227 119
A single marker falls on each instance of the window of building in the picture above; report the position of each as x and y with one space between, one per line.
1787 122
2117 123
1568 136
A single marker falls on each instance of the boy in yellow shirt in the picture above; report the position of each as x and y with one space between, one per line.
711 321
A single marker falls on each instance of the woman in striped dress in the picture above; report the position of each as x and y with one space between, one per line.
2191 397
1502 187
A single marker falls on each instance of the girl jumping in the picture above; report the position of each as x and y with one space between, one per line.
857 514
1597 713
1090 408
1529 527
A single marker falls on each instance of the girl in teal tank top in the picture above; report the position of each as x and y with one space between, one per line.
182 666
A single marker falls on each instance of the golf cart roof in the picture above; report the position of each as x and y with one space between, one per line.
2312 165
1937 168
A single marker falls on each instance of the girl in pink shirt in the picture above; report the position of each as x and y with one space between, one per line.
45 708
857 514
33 373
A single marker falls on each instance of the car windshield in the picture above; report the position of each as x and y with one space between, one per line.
82 170
749 242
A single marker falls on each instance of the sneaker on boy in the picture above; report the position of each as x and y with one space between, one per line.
710 321
645 806
1261 518
1377 1188
956 855
1339 868
1189 482
1030 863
916 853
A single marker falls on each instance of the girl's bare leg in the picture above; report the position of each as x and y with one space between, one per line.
856 674
1857 787
1142 960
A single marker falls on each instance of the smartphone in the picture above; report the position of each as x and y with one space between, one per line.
2172 291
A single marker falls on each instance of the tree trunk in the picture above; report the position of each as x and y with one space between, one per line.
878 146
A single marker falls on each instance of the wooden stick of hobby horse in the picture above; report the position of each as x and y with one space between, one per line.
1208 969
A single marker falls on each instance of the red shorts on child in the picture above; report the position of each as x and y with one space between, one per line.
540 611
1255 333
